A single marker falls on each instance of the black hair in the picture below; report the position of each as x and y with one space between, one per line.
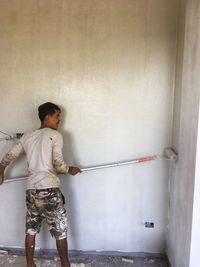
47 108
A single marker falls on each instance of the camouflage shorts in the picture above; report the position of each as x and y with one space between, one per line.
48 206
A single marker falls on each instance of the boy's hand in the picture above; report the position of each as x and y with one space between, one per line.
73 170
2 168
1 179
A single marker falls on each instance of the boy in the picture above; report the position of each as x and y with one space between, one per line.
43 148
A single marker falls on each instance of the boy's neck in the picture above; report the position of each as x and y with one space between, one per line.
45 126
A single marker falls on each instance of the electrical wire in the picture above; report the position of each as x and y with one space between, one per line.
6 134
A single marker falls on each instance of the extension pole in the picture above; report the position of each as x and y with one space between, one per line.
134 161
16 179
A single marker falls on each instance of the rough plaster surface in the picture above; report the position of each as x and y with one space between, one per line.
110 65
183 241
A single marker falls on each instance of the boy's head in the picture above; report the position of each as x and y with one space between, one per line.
49 114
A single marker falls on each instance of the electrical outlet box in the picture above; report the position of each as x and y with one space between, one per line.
149 224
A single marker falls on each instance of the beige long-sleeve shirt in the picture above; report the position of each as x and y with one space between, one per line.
43 149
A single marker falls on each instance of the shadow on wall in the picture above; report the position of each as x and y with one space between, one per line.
67 181
67 187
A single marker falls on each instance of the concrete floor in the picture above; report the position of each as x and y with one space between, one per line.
78 259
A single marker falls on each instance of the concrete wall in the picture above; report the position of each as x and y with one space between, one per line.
184 198
110 65
195 234
179 73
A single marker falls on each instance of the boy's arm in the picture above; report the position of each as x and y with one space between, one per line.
10 156
58 161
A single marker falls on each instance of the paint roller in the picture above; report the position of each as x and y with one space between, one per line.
169 154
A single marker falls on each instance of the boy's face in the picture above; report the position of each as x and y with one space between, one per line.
52 121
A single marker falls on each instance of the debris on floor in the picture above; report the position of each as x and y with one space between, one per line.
14 258
7 260
127 260
79 265
151 261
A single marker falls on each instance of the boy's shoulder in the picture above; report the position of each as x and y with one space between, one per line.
41 132
51 132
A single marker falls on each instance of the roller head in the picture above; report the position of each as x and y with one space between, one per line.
170 154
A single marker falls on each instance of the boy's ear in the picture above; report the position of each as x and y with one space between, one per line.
47 116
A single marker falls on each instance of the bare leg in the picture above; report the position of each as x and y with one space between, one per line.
30 248
63 252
